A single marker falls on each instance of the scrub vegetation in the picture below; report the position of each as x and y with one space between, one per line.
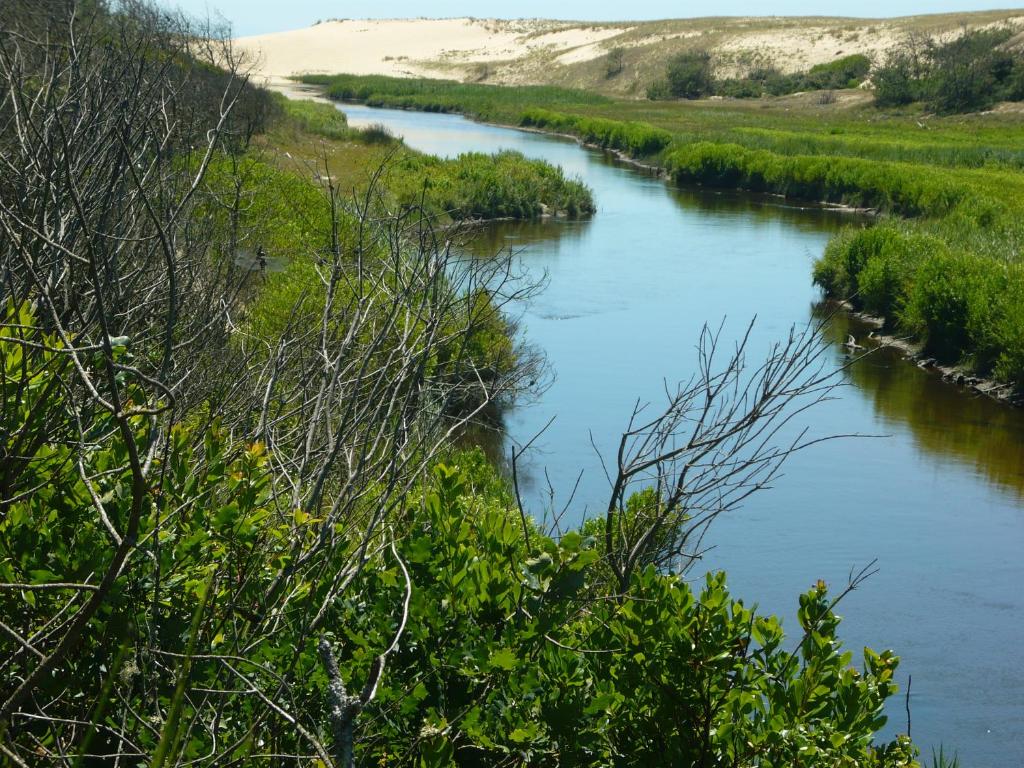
942 263
239 522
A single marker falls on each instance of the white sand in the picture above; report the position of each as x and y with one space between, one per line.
408 47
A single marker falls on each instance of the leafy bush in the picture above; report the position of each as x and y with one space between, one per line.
966 74
511 646
839 73
970 72
896 82
688 75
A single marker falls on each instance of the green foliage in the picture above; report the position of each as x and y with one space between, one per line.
969 73
508 656
897 80
838 73
966 307
687 76
513 650
475 185
635 139
841 180
846 72
317 117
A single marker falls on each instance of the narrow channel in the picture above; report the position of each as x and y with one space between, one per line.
936 494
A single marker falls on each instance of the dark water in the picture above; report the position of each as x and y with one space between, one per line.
937 498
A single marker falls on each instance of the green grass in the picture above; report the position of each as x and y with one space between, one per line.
316 138
447 95
944 263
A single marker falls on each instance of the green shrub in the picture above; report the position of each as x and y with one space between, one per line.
688 75
475 185
954 307
970 72
839 73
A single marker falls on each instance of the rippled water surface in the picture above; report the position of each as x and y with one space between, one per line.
937 496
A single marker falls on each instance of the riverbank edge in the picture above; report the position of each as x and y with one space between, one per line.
955 375
913 352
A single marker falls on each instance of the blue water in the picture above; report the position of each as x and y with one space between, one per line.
935 496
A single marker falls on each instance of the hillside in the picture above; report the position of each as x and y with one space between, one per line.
574 54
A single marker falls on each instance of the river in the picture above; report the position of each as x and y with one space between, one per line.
936 494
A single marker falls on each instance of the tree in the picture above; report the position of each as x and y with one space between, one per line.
689 75
895 82
614 62
970 72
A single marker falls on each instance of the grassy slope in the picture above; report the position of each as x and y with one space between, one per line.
946 267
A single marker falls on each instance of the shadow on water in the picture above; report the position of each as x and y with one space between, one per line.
945 420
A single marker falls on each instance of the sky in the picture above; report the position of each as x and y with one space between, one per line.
253 17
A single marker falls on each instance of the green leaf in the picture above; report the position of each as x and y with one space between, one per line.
503 659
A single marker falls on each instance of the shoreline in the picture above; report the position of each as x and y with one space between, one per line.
913 352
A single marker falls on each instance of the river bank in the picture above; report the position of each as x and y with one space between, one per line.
914 352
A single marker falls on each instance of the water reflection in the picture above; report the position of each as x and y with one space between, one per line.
946 420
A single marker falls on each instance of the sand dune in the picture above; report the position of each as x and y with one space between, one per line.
574 53
411 47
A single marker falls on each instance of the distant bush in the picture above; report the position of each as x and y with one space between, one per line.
840 73
850 180
614 62
967 74
897 81
970 73
687 76
847 72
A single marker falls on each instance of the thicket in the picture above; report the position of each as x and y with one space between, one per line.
967 74
232 526
689 76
